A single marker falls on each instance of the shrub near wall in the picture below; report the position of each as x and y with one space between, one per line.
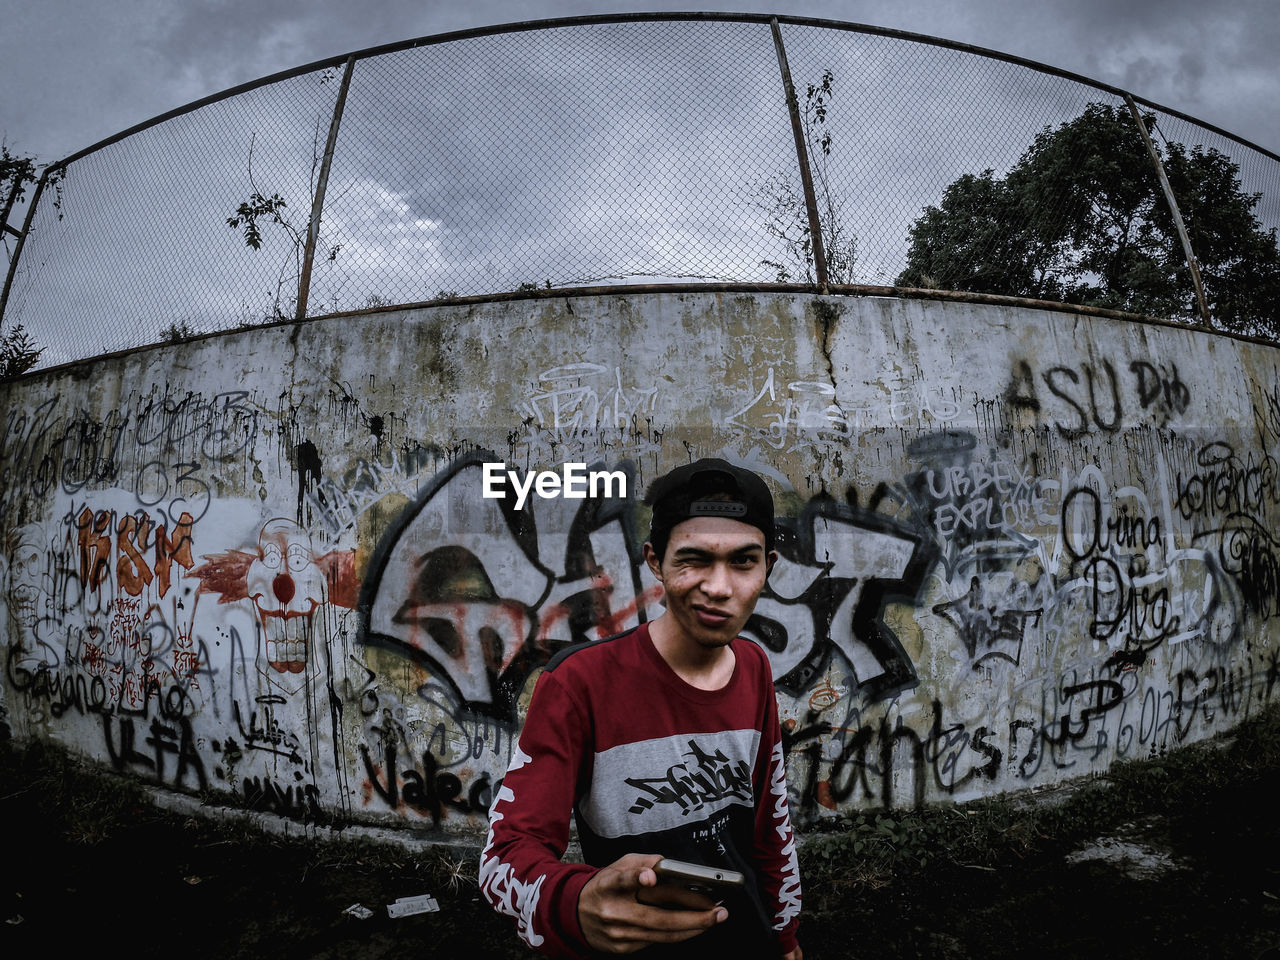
1017 546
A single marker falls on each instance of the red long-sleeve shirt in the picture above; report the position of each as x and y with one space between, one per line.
646 763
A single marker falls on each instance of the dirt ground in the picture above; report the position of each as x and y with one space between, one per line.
1203 883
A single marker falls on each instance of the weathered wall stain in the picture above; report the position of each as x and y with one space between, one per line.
1016 546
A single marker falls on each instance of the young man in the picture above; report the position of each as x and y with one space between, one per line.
663 742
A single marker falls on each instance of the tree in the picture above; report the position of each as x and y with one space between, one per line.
783 201
18 352
272 209
1081 218
16 174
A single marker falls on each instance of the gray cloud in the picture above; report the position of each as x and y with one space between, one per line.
453 171
76 71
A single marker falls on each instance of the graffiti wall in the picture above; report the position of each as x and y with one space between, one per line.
1016 546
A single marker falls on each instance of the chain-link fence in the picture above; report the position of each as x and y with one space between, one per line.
623 150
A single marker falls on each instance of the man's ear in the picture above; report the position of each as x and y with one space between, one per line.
770 559
653 561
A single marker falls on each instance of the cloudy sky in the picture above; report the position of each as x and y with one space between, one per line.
76 71
454 172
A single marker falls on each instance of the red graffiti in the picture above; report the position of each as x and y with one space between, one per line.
143 551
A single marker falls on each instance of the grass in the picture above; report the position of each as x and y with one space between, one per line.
980 880
91 805
875 848
865 850
86 805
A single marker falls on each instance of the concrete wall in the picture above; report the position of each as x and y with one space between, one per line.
1019 546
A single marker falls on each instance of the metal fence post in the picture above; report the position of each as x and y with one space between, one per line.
802 153
1192 263
21 234
8 208
322 183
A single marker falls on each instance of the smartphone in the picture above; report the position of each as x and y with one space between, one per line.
690 886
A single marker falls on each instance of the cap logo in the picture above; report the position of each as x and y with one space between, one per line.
717 508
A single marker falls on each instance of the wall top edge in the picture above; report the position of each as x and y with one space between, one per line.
634 291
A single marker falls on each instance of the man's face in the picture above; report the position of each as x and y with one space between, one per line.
713 571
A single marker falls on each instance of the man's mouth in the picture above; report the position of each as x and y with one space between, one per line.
711 617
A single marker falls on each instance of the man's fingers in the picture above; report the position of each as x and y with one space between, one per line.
655 925
676 921
614 921
631 872
628 877
632 913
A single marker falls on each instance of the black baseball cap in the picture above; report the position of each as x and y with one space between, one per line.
708 488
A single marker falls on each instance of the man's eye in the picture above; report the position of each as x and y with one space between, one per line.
748 561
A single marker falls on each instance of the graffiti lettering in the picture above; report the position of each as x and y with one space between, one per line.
298 802
1089 527
1227 484
1093 393
429 791
706 778
135 534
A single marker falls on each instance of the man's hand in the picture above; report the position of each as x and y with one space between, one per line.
796 954
613 921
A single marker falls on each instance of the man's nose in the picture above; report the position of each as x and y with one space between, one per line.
718 582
